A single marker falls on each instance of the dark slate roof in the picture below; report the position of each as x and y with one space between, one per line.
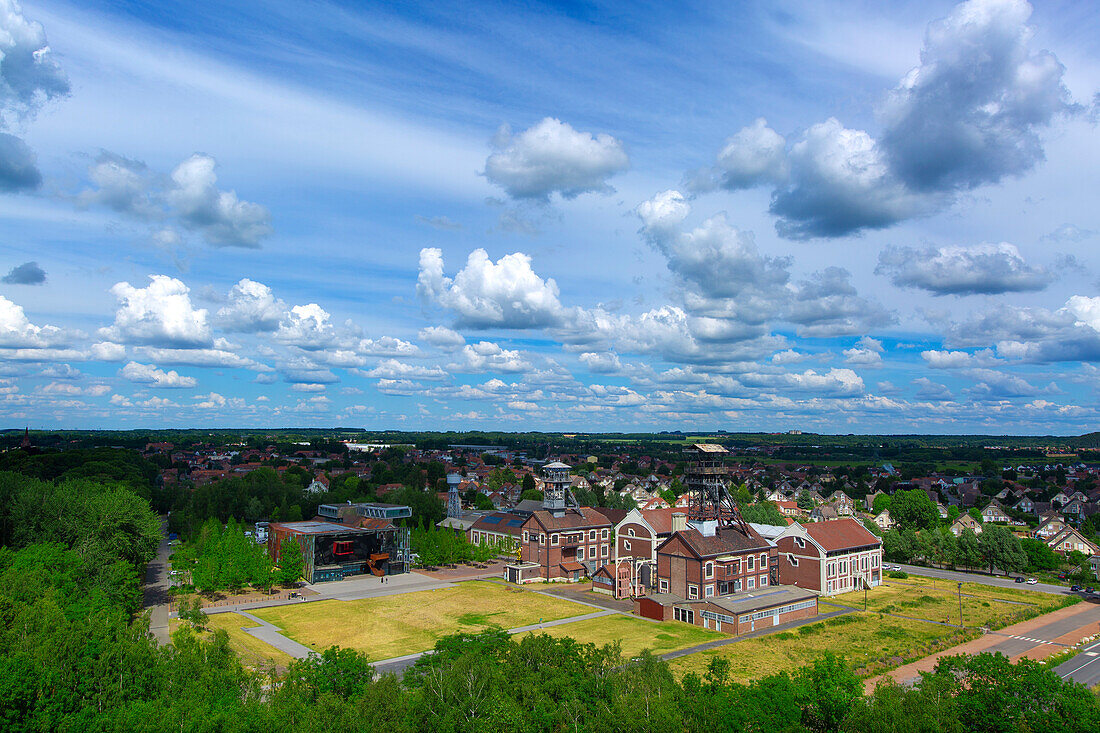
726 541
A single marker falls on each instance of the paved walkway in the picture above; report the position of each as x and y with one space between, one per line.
155 596
1084 668
269 634
1035 638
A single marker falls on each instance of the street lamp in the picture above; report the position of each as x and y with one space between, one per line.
960 605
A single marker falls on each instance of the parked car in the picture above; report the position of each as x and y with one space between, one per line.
1089 590
1032 581
1075 588
1019 579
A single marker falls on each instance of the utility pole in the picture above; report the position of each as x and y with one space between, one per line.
960 605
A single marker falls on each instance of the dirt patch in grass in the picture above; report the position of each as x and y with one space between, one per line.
393 626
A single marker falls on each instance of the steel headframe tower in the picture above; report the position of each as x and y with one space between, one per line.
555 488
710 504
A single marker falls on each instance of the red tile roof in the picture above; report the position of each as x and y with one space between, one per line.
841 534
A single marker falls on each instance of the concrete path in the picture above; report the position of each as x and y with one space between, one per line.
269 634
359 587
155 596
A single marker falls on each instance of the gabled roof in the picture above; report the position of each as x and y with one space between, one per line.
725 541
841 534
576 518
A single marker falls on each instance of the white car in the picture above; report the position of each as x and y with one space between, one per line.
1032 581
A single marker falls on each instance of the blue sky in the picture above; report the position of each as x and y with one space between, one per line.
866 218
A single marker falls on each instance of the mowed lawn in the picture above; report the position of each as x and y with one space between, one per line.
870 642
393 626
634 634
938 600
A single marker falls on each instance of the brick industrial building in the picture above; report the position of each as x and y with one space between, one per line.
831 557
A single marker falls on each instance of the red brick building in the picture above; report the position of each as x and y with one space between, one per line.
738 614
709 562
566 544
831 557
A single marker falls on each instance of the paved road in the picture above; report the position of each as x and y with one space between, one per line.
998 580
155 591
1084 668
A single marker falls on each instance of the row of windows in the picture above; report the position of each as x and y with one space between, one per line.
709 588
735 566
862 563
532 536
592 552
778 611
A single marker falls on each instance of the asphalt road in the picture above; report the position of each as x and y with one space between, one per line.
997 580
1084 668
155 592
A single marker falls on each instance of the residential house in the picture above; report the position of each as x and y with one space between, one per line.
843 503
1070 540
823 513
1025 505
788 508
965 521
883 520
994 512
830 557
1050 527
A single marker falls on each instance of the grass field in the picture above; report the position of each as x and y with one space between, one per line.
393 626
253 652
635 634
872 643
937 600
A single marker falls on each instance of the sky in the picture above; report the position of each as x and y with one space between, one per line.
859 218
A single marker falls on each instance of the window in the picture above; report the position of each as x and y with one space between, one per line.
664 585
693 591
592 535
830 569
736 567
750 583
737 586
580 553
830 587
630 532
749 563
684 614
554 539
603 550
525 536
542 539
763 561
799 542
341 547
626 544
792 560
763 580
874 561
708 570
603 534
709 592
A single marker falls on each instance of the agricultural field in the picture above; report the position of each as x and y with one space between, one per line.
393 626
635 634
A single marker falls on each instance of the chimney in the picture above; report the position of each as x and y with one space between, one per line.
679 522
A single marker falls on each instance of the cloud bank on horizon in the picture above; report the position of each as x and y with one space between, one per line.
422 225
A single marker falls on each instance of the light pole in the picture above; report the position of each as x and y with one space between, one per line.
960 605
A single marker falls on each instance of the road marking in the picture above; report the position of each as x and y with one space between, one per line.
1074 671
